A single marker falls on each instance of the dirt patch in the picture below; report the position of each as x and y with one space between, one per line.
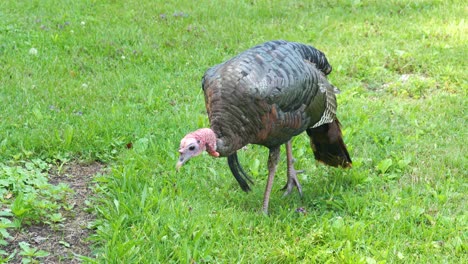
69 239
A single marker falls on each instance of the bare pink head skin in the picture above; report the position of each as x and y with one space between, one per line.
193 144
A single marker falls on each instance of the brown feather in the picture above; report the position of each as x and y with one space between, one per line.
328 146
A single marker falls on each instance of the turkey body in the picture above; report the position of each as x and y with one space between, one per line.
267 94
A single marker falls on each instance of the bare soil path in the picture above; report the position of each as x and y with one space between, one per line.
69 239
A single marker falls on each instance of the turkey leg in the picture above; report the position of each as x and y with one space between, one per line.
273 159
292 173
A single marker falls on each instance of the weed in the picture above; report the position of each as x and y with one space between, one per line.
30 253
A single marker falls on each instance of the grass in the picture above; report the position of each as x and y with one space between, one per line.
83 79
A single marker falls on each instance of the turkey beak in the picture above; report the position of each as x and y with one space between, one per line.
181 161
178 165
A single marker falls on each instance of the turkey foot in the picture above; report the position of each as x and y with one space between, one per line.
292 173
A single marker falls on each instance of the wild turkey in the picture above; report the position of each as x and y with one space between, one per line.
266 95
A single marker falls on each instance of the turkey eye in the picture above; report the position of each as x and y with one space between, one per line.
191 148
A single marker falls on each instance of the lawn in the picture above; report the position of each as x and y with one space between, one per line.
114 85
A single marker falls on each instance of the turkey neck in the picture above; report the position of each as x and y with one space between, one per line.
226 146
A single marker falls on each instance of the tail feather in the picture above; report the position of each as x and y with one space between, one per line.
241 176
328 146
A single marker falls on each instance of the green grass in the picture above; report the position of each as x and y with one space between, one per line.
108 73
